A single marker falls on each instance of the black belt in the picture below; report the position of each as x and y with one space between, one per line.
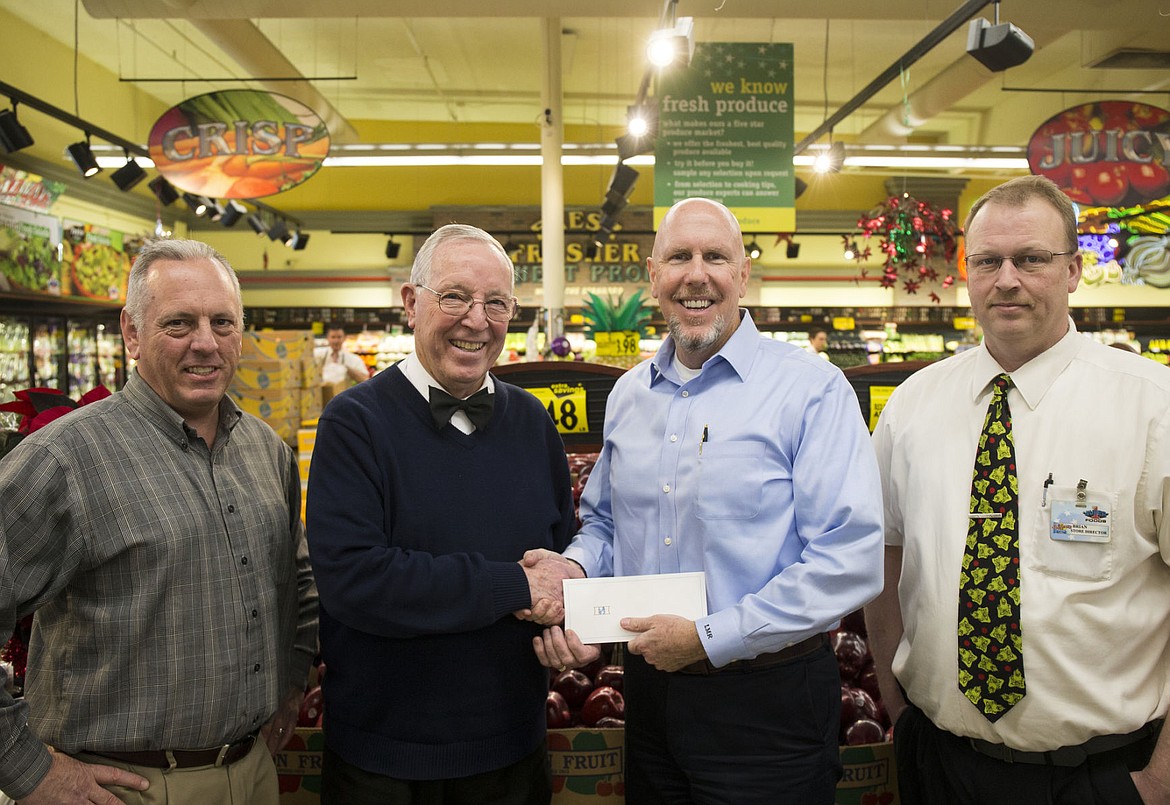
807 646
224 755
1066 755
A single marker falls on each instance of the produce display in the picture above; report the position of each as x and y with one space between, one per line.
590 696
98 270
27 261
863 717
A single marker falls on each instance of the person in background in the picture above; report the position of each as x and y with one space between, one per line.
746 458
428 484
157 536
1033 666
818 342
339 367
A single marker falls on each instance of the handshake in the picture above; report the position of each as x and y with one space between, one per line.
545 571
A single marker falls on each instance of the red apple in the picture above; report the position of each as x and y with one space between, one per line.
849 712
851 651
610 722
867 680
593 667
556 711
864 731
602 702
866 706
612 675
574 685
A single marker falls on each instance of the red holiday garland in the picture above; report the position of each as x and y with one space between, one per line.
912 233
37 407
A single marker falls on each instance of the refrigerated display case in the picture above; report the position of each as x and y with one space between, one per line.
59 346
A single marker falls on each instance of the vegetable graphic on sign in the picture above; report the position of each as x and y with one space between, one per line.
238 144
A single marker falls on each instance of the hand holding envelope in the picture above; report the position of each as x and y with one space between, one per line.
545 571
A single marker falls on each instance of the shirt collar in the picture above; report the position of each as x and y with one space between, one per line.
1035 377
421 379
739 352
167 419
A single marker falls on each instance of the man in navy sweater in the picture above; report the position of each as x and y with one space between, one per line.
428 484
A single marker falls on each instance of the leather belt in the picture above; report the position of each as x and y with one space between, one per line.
224 755
771 660
1066 755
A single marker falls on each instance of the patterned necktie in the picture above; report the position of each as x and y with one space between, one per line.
478 407
991 662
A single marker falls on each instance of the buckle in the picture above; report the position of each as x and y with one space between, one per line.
223 750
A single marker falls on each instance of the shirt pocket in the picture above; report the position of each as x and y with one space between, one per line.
731 480
1068 559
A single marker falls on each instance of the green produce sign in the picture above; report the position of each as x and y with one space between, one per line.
725 129
29 259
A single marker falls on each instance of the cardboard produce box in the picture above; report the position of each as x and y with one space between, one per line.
588 765
259 374
869 776
294 345
298 768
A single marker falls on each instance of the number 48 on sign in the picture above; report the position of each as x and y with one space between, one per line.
566 405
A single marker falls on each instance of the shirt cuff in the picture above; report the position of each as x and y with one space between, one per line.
510 591
24 766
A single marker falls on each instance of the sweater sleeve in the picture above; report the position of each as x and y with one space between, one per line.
366 580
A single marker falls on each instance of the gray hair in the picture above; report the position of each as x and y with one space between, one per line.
138 293
420 272
1019 191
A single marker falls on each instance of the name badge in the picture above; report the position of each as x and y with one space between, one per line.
1086 520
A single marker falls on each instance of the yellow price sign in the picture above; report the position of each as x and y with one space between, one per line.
616 344
843 323
878 397
566 405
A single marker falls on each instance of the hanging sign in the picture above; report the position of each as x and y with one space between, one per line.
238 143
1106 154
725 128
565 403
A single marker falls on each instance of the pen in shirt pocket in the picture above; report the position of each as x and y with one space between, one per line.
703 440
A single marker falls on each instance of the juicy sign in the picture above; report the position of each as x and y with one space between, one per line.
1107 154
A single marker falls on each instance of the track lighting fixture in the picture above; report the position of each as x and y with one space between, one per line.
831 159
998 47
13 135
298 241
674 45
793 250
83 158
197 204
257 224
851 251
392 249
232 212
128 175
753 250
278 230
163 190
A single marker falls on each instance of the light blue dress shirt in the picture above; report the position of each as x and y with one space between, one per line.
759 472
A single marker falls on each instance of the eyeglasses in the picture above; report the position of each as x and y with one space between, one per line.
1029 262
454 303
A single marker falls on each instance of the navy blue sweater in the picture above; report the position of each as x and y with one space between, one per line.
414 535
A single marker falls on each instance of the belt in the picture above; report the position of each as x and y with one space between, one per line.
807 646
224 755
1066 755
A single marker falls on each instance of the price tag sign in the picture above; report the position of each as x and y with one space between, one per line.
878 397
616 344
843 323
566 405
963 322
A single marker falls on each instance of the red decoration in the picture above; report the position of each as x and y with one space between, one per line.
912 233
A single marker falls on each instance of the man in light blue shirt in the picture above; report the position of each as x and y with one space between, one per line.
748 459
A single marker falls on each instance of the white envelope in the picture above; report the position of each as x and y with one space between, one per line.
595 607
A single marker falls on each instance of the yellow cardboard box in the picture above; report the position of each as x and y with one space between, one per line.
260 374
869 776
298 768
279 345
272 403
306 438
311 402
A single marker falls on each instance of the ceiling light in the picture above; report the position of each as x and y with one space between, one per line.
232 212
392 249
278 230
13 135
128 175
83 158
163 190
674 45
215 210
793 250
831 159
850 250
621 184
257 224
753 250
197 204
998 47
297 241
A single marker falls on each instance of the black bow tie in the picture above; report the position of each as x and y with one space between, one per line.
478 407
